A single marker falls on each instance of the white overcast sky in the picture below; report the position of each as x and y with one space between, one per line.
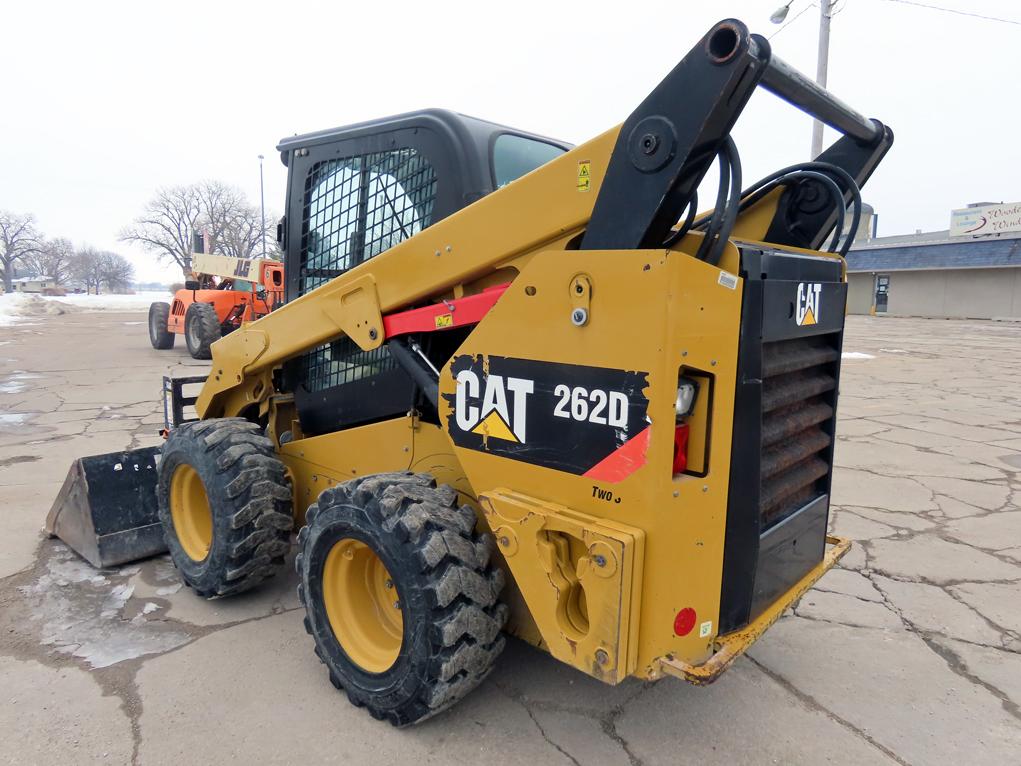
103 102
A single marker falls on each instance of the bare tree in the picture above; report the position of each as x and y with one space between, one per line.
116 271
87 268
245 238
53 259
18 240
242 236
221 212
167 225
234 225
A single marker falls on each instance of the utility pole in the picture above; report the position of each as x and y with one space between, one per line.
262 205
822 65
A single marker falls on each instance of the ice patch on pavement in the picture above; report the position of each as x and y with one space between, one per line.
15 382
80 611
893 351
150 607
14 418
116 600
856 355
166 571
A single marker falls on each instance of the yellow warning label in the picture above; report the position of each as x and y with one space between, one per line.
495 426
584 175
445 320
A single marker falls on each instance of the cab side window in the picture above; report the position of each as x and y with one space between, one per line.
514 156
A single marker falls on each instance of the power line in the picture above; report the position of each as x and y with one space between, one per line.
954 10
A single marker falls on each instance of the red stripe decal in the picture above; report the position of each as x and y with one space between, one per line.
443 316
623 461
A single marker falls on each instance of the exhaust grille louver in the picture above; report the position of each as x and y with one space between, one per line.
797 385
785 406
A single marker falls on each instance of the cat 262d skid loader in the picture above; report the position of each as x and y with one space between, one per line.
522 387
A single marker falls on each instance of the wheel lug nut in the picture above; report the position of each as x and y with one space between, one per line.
397 604
389 584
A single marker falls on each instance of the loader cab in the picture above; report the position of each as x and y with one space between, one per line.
353 193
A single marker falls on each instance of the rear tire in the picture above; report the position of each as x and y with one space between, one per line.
159 336
444 638
201 329
225 505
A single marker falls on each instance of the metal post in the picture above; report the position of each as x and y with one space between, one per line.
262 206
821 68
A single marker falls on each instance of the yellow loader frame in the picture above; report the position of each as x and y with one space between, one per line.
620 570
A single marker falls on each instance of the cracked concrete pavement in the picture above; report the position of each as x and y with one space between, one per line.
909 653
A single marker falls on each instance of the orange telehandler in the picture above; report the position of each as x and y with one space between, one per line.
223 292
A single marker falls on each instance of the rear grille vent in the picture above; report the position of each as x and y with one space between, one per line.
798 394
785 404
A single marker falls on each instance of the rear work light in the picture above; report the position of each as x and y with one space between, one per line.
687 390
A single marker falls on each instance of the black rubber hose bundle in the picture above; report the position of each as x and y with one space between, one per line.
731 201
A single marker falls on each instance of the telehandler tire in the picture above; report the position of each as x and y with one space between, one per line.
159 336
400 597
225 505
201 329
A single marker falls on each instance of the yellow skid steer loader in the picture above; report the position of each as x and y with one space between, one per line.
522 387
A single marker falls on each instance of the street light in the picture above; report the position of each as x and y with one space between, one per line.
262 205
780 14
822 63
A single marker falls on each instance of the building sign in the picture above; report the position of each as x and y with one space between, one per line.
987 219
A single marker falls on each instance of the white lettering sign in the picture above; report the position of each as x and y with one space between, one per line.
987 219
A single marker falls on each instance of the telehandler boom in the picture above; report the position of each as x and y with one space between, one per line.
522 387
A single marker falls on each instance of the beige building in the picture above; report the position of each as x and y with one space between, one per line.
934 275
32 284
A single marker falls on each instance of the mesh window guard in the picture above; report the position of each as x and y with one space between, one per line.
356 208
340 362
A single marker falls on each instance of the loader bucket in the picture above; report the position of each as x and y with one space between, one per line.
106 510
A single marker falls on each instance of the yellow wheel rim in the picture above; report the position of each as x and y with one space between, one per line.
362 605
189 510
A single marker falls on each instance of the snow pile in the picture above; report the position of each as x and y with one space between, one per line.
14 307
136 302
856 355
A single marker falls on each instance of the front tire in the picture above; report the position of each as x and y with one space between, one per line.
201 329
400 597
225 505
159 336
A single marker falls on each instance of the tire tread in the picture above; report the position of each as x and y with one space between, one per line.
260 503
438 538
